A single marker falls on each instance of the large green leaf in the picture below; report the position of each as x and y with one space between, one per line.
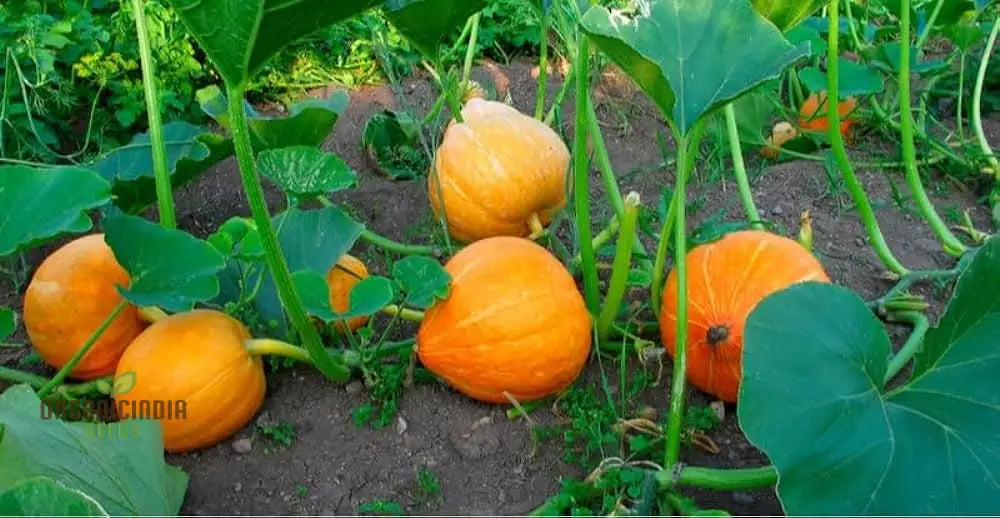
191 150
426 23
306 172
120 465
311 240
308 122
8 322
812 399
853 79
42 496
169 268
787 14
239 36
691 56
37 204
367 297
391 139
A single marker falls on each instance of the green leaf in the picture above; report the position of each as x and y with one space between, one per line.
169 268
190 152
124 383
238 237
843 444
888 56
8 322
121 465
240 36
787 14
853 79
426 23
367 297
692 56
306 172
37 204
964 36
308 122
423 279
42 496
391 140
804 34
310 240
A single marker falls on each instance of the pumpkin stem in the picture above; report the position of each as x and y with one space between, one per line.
717 334
535 224
412 315
152 314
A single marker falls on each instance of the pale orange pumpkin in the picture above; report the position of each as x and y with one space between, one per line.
726 281
348 271
70 295
514 321
812 114
196 361
499 173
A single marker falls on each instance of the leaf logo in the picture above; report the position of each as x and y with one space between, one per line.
124 383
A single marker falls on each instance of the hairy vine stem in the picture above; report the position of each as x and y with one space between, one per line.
333 368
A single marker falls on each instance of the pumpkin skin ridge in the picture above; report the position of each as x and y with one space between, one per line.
771 262
84 269
529 355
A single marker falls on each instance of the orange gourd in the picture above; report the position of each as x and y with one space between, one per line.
195 361
498 173
513 321
70 295
726 281
812 114
348 271
780 135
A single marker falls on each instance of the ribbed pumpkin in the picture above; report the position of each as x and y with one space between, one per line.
197 357
70 295
500 172
514 321
348 271
812 114
726 281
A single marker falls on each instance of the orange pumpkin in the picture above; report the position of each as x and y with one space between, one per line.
812 114
70 295
780 135
348 271
726 281
513 322
196 364
499 173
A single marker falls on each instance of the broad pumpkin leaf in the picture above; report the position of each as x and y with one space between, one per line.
804 33
964 35
423 280
308 122
120 465
787 14
426 23
853 79
691 56
8 322
42 496
191 150
367 297
169 268
841 442
306 172
888 55
240 36
311 240
37 204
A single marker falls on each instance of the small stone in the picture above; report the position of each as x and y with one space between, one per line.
265 420
719 407
244 445
743 498
237 487
858 241
777 210
328 512
483 421
354 387
400 425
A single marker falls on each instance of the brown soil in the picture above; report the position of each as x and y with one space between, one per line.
484 461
